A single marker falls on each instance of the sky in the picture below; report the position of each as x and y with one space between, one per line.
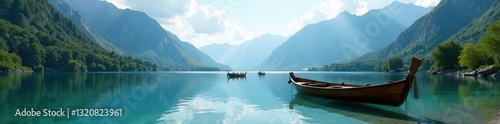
204 22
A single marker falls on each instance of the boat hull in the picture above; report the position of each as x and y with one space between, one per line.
393 94
233 74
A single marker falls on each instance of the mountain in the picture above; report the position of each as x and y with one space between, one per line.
82 24
73 15
477 29
136 32
344 37
35 35
247 55
461 20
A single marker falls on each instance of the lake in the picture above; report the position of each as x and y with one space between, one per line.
210 97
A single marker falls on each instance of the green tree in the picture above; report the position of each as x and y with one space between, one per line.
446 55
9 61
38 68
394 63
491 42
3 45
472 56
75 66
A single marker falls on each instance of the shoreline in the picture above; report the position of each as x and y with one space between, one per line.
489 71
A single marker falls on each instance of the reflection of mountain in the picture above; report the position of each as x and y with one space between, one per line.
137 33
343 37
246 55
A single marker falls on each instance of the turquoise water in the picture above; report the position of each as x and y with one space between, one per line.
210 97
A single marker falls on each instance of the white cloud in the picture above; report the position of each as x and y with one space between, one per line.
362 8
427 3
208 20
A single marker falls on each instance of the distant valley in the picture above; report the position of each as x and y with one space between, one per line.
247 55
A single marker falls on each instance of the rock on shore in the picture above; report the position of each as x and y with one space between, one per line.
483 72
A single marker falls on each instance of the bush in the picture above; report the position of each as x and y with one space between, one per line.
446 55
472 56
75 66
394 64
9 61
38 68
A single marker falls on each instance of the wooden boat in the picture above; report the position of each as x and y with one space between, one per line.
236 74
392 93
261 73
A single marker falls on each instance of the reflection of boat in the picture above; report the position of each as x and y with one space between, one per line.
363 112
240 77
391 93
236 74
261 73
236 78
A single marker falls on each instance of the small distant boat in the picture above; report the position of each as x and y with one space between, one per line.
392 93
236 74
261 73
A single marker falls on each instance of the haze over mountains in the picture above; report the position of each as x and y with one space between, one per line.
461 20
247 55
343 38
83 25
137 33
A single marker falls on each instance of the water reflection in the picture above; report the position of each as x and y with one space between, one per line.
138 94
236 79
456 99
211 97
204 109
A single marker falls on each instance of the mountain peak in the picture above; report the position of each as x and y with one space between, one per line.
394 3
335 36
397 4
344 13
